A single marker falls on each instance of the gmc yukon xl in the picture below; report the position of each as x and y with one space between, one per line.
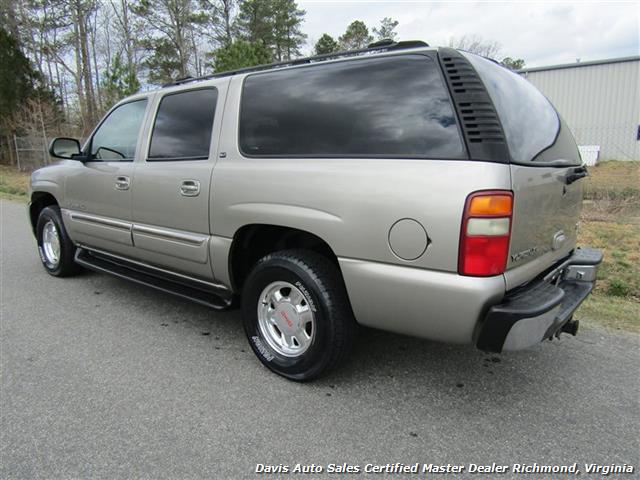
424 191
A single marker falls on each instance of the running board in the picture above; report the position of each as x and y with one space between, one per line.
210 296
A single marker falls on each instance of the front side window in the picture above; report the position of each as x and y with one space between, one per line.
529 120
117 136
385 107
183 126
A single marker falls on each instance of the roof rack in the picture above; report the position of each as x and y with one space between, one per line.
381 46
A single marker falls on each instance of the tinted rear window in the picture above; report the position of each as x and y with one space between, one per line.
529 120
388 107
183 126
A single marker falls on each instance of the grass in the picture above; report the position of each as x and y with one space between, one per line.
13 183
613 179
615 301
610 221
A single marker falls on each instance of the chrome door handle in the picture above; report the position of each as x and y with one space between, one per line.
190 188
123 183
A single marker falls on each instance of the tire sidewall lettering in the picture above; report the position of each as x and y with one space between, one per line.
261 349
307 295
286 365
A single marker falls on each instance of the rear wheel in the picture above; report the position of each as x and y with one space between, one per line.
296 314
54 245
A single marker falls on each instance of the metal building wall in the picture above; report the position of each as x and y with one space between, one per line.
599 101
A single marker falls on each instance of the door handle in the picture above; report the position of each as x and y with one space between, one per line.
123 183
190 188
576 174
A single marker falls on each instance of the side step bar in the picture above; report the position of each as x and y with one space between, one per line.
209 295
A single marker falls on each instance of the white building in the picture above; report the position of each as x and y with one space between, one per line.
599 100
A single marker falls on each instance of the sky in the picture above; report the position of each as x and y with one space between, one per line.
541 33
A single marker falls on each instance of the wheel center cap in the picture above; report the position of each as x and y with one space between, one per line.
287 318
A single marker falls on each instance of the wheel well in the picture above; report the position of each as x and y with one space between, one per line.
252 242
39 200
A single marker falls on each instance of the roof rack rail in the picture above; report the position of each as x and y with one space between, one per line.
180 80
381 46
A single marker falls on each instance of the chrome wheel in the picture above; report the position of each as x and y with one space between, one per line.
285 319
51 244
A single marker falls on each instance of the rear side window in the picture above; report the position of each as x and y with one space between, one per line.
385 107
182 130
529 120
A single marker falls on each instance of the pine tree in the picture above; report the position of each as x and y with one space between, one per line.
164 64
386 30
17 76
356 37
273 23
255 23
171 41
326 44
220 15
240 54
287 34
119 81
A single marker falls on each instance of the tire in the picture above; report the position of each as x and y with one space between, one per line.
59 261
325 340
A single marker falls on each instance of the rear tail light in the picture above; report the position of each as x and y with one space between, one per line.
485 233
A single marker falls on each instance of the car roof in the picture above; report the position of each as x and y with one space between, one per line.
384 46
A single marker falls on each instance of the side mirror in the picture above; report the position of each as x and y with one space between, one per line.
65 148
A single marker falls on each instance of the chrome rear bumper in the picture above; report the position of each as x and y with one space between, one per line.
540 309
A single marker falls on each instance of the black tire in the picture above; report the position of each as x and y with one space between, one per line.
66 265
321 283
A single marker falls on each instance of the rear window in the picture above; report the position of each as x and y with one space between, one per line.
385 107
182 130
529 120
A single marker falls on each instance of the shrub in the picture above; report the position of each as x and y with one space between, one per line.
618 288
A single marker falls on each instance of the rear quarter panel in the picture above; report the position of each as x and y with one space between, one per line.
350 203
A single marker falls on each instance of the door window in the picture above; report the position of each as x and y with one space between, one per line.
183 126
117 136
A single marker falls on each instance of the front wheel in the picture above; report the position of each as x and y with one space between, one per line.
297 315
54 245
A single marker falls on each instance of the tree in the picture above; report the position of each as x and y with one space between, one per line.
220 16
254 22
81 10
326 44
119 81
17 78
164 64
9 19
274 24
26 105
356 37
287 34
513 63
386 30
476 44
173 23
130 30
240 54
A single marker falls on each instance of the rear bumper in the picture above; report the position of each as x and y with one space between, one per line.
539 310
441 306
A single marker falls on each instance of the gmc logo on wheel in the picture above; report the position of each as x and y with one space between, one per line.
286 319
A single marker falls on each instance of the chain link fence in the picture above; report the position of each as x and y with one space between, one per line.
27 153
30 152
